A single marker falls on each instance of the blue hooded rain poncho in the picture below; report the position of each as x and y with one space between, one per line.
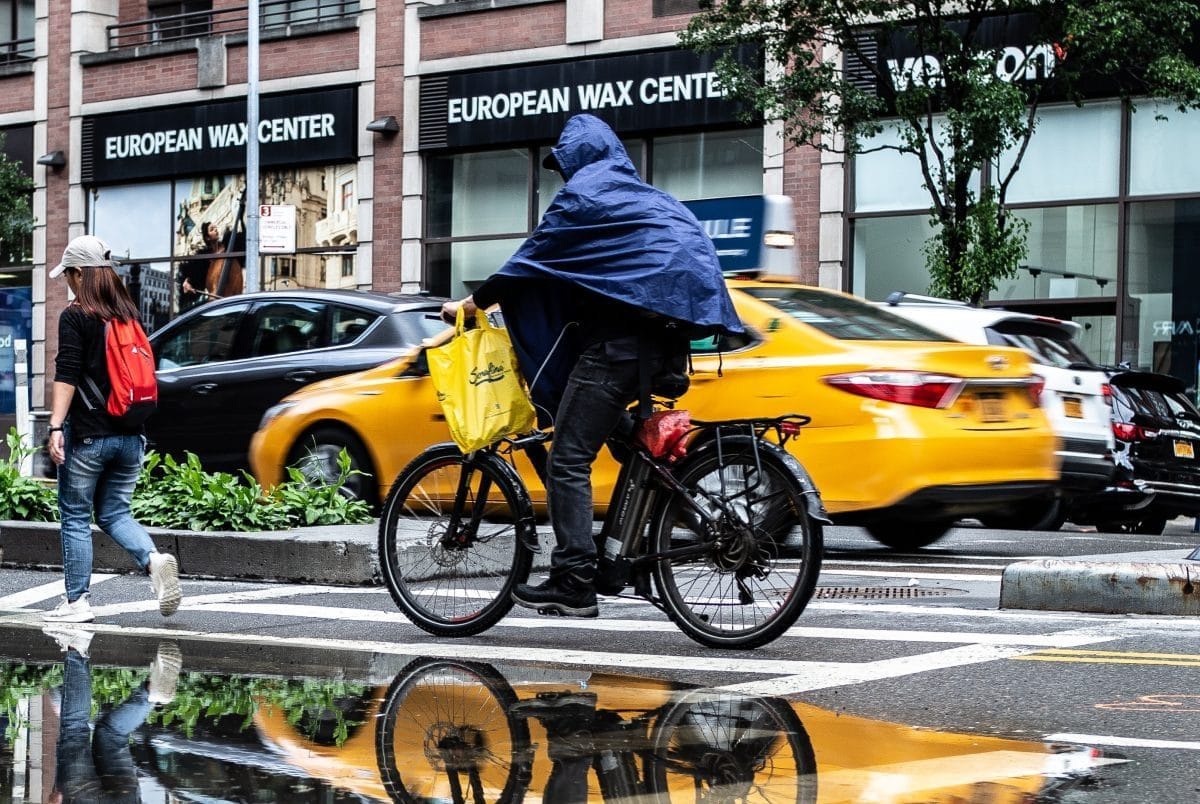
610 233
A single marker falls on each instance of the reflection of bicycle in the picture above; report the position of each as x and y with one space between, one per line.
457 532
455 731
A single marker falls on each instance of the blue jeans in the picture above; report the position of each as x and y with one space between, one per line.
598 391
99 474
96 767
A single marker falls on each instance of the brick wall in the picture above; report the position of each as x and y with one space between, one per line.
133 79
802 181
16 93
388 152
287 58
493 31
635 18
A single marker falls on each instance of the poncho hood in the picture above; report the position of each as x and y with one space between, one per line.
607 232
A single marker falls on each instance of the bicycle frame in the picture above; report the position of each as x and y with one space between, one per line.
644 480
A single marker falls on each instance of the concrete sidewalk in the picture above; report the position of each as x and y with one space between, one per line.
1156 582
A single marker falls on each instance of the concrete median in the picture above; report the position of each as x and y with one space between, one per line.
1164 582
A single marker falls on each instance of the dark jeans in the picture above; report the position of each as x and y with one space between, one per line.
96 767
601 386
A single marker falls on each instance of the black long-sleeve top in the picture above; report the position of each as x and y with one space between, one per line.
80 354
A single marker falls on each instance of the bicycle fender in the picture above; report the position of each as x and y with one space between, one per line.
812 495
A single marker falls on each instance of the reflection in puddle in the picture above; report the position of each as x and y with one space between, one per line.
456 731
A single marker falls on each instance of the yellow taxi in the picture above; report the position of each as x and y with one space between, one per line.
910 430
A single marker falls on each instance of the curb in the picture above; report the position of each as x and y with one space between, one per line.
1167 586
336 555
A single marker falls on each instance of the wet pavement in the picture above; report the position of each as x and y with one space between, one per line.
118 718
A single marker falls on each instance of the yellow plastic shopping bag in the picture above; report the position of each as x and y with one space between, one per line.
478 385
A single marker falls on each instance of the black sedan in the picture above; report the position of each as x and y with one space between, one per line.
1156 428
221 365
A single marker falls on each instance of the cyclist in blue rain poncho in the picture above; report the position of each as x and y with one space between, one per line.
601 302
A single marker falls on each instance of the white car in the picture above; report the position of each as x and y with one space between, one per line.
1076 397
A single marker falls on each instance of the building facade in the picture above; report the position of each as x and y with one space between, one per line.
408 137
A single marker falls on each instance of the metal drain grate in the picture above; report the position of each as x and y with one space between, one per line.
882 592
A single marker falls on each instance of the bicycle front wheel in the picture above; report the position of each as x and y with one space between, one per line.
445 734
452 540
728 584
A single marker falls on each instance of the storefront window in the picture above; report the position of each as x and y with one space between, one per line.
888 256
709 164
1162 311
1155 150
160 225
1071 252
1058 166
479 193
478 204
886 180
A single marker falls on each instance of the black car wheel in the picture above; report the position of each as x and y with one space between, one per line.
902 535
1148 525
316 456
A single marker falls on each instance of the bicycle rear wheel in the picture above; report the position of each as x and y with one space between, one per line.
713 746
445 734
735 590
452 540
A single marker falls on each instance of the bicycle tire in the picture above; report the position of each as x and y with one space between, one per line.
451 587
436 707
732 747
710 596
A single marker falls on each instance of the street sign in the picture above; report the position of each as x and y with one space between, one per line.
277 229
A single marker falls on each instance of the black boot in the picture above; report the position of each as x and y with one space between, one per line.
566 595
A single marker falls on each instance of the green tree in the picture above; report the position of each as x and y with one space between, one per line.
960 100
16 216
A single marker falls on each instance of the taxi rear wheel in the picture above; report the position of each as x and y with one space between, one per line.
908 535
315 454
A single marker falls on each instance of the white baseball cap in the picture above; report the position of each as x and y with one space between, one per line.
86 251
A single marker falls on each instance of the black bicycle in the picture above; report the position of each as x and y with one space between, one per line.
456 731
730 535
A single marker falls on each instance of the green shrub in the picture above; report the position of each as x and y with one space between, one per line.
171 494
174 494
23 497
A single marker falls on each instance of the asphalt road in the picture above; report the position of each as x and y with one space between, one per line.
913 639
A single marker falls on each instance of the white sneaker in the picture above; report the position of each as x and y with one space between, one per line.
68 638
164 574
78 612
164 673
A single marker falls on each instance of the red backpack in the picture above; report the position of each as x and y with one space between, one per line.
134 389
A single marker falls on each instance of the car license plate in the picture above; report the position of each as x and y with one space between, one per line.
1184 449
992 408
1073 407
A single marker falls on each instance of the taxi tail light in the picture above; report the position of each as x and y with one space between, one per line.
1106 394
1124 431
1034 387
902 387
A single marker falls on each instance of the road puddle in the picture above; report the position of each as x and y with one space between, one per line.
446 730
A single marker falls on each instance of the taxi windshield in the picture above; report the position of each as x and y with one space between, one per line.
843 317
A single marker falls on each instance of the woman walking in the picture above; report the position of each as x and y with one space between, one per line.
98 459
